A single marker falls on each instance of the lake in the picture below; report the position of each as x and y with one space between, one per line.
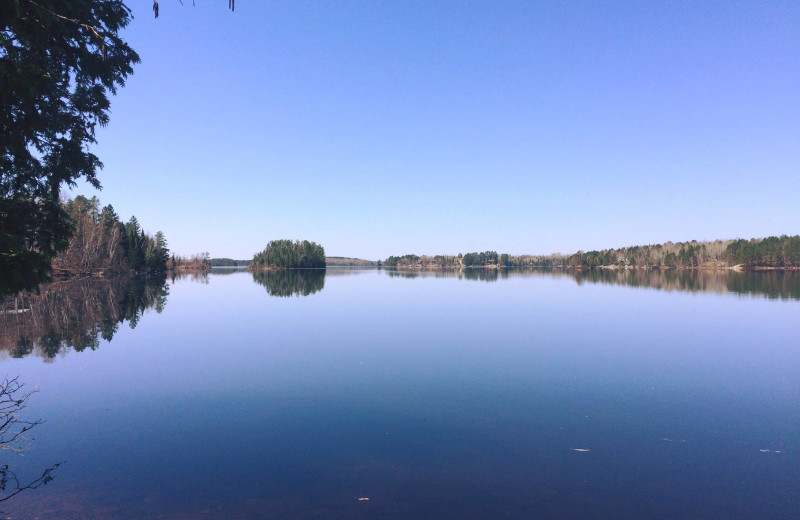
522 394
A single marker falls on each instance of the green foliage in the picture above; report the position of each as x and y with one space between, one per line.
32 232
288 254
133 240
479 259
100 242
397 261
680 254
783 251
778 252
59 62
228 262
343 261
485 259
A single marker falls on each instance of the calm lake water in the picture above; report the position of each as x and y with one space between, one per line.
515 395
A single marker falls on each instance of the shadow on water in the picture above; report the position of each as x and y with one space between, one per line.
75 314
770 284
285 283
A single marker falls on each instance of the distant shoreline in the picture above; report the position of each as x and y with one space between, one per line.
735 268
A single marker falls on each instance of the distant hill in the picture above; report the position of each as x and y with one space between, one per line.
343 261
228 262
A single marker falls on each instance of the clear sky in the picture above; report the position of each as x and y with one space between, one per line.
391 127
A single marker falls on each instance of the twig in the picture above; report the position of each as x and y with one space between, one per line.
84 25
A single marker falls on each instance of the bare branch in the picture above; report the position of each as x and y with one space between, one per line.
9 477
13 399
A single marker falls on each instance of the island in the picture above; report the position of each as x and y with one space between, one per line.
285 254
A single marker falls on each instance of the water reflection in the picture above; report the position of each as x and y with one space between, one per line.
348 271
75 314
222 271
291 282
771 284
467 404
200 277
479 274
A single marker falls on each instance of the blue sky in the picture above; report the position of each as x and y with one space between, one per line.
377 128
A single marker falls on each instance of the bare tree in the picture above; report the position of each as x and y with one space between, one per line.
13 438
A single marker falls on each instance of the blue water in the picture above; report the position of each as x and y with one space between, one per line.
434 395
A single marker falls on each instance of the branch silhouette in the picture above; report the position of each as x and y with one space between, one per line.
14 399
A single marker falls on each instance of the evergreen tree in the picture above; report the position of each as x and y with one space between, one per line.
288 254
134 242
59 62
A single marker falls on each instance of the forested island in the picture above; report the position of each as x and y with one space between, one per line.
330 261
285 254
758 253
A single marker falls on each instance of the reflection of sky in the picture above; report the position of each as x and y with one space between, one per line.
393 386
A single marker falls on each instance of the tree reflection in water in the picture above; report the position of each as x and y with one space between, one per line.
481 274
291 282
200 277
770 284
75 314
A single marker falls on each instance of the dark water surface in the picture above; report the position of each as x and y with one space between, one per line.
435 395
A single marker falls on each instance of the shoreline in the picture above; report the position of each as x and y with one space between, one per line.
736 268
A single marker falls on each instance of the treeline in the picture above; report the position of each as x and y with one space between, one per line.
783 251
228 262
407 261
669 255
481 259
484 259
772 252
288 254
102 243
196 262
342 261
